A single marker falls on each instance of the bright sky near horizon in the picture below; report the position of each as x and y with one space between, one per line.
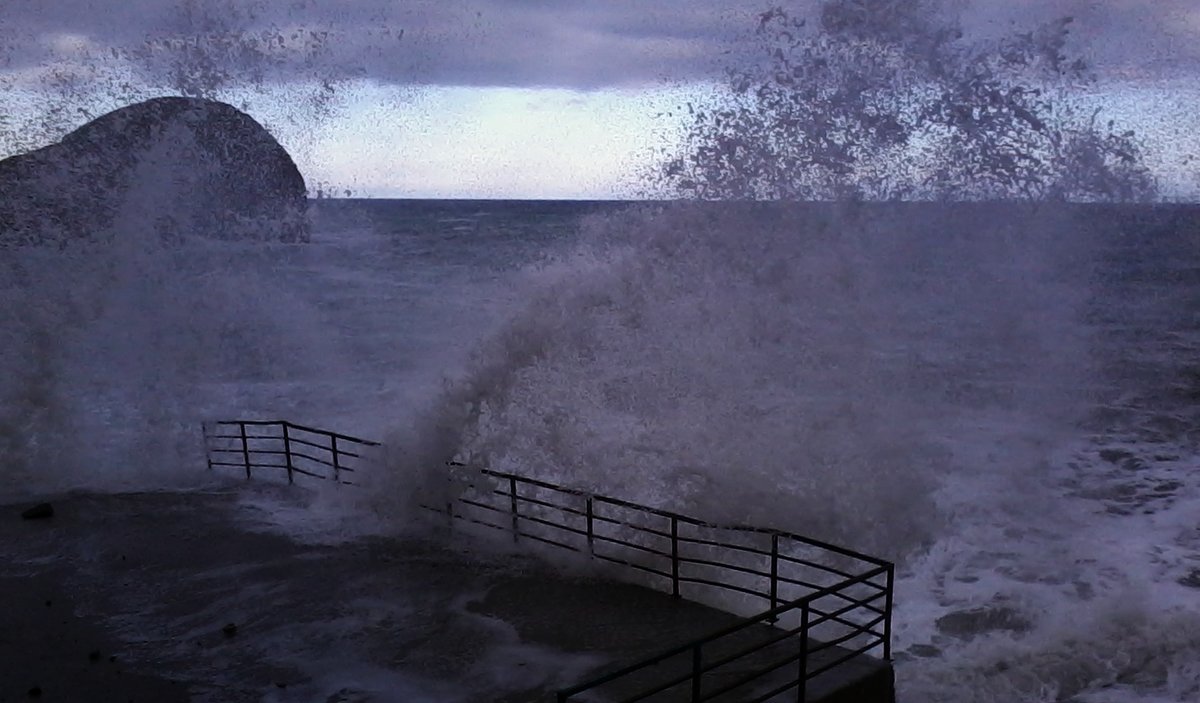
506 98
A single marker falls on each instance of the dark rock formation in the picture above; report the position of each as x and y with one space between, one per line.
966 624
184 166
40 511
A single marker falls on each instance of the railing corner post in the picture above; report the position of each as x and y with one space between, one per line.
887 613
287 452
337 465
512 497
774 574
591 528
675 556
208 455
802 683
245 448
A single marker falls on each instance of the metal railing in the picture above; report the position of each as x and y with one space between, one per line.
825 605
283 445
771 647
821 599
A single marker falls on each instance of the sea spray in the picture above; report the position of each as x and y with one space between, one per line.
117 343
807 367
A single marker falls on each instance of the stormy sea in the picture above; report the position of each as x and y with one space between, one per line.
1002 398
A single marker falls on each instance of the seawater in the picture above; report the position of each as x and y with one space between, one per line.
1001 398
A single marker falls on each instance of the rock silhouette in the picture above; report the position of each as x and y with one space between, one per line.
192 166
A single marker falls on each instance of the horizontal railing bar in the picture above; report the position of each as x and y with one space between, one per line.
302 471
860 602
814 565
726 586
477 521
841 611
250 450
797 582
555 525
485 506
725 545
611 540
343 437
633 565
547 540
325 447
302 455
874 637
844 638
543 503
633 525
530 481
723 565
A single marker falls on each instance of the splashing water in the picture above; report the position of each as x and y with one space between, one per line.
908 379
112 340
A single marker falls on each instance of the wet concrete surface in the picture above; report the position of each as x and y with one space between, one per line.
128 597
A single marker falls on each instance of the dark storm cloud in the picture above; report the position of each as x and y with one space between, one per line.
552 42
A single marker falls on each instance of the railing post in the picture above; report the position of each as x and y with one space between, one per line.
245 449
887 614
287 452
207 450
591 534
674 556
512 497
337 466
802 684
696 664
774 574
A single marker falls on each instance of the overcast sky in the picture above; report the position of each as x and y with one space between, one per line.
505 98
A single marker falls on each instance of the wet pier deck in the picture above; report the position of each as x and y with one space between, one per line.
127 597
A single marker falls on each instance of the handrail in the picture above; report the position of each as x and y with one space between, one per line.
804 603
680 517
608 529
529 508
304 455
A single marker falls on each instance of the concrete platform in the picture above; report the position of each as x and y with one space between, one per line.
125 597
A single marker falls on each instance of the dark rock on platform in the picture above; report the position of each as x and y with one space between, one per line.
966 624
38 512
1115 456
203 167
